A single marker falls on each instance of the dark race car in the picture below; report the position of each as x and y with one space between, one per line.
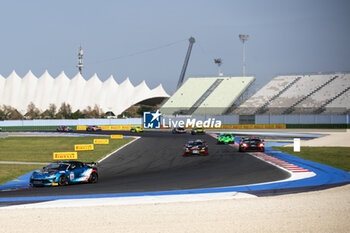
196 147
63 173
178 130
197 130
251 144
93 128
63 128
225 138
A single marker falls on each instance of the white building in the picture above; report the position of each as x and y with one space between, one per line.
79 93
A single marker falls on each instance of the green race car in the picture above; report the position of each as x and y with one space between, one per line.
225 138
137 130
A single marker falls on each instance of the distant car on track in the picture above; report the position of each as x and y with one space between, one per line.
63 128
197 130
251 144
93 128
64 172
196 147
137 129
225 138
178 130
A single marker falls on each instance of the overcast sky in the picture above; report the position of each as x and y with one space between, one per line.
148 40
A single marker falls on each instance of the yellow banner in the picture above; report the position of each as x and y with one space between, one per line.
117 136
110 127
65 155
84 147
81 127
271 126
101 141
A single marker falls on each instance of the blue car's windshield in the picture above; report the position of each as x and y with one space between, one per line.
58 166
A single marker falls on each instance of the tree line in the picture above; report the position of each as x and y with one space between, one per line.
64 112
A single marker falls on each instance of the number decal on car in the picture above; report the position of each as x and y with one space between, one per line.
71 176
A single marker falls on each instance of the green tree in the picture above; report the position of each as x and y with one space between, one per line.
32 112
65 112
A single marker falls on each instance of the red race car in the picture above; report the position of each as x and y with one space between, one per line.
251 144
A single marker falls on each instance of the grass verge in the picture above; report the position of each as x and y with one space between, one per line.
10 172
338 157
41 149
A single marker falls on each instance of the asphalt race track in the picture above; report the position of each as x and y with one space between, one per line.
155 162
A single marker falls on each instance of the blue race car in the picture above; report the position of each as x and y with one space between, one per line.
64 172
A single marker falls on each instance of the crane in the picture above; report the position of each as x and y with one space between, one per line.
187 58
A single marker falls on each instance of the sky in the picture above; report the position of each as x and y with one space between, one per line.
148 40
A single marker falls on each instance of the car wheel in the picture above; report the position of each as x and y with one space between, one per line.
93 178
62 181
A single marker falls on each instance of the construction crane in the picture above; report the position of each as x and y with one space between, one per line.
187 58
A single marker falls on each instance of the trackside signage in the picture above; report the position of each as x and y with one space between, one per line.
84 147
117 136
101 141
65 155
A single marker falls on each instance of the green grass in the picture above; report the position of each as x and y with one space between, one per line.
338 157
12 171
41 149
21 128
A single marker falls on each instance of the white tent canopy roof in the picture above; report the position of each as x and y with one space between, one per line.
78 92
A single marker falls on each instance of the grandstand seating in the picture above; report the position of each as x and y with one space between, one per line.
202 96
186 96
229 90
306 94
269 92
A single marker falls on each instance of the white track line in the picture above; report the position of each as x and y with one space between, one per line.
136 137
118 201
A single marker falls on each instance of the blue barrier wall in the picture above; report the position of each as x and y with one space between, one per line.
226 120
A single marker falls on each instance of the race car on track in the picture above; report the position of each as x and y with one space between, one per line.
251 144
225 138
178 130
137 129
197 130
63 173
196 147
63 128
93 128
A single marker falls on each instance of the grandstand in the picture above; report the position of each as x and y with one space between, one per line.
206 96
306 94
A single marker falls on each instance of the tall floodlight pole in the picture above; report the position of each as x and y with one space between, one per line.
218 61
244 38
187 58
80 59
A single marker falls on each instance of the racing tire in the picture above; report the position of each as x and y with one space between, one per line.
62 181
93 178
